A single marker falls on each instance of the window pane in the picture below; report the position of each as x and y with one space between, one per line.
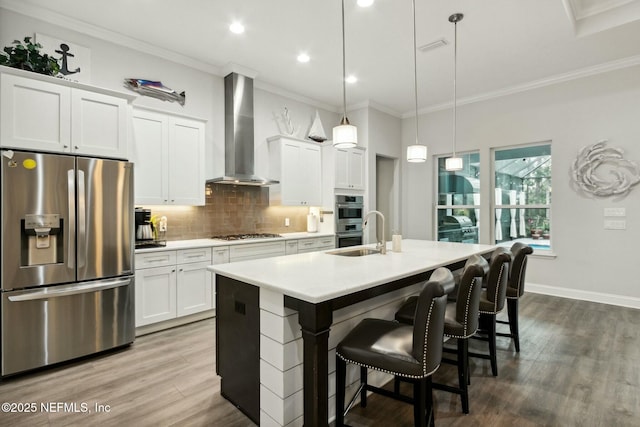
527 170
523 178
458 188
458 225
528 225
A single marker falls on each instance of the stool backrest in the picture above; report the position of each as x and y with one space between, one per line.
469 290
428 325
498 277
518 269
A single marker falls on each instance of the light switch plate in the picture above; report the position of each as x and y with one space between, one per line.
615 212
615 224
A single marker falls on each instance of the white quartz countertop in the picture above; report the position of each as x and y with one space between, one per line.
319 276
203 243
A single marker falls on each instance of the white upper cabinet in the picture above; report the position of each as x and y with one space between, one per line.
297 165
168 152
349 168
98 124
47 114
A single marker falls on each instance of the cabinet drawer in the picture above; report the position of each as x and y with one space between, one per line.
155 259
307 245
220 255
326 243
194 255
256 251
291 247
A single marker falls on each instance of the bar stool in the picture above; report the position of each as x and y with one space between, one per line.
492 302
412 352
460 322
515 290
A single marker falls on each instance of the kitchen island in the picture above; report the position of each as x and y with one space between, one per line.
274 347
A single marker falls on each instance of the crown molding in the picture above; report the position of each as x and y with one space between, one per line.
376 106
107 35
258 84
606 67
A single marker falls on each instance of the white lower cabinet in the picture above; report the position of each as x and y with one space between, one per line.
172 284
194 289
155 295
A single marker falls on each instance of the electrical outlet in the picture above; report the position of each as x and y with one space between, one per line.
287 222
615 224
615 212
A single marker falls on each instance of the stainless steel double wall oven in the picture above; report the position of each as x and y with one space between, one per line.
349 213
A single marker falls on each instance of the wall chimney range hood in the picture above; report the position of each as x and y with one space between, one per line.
238 134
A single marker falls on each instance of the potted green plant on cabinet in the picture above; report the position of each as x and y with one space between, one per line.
27 56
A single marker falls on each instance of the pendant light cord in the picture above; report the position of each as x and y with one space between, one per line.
344 73
415 68
455 72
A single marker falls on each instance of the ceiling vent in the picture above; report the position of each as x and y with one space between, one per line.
433 45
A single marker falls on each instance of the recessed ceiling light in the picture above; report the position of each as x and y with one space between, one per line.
303 57
236 28
351 79
365 3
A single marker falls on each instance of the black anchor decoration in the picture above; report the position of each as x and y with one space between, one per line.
64 51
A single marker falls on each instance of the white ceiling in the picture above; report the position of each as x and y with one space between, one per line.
503 45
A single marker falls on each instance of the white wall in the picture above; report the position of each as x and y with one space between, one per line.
383 139
571 115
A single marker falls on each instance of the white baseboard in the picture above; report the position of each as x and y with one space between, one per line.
619 300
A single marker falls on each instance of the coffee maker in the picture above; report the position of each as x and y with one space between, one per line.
144 226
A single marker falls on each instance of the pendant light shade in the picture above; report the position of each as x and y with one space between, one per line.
345 135
416 153
454 163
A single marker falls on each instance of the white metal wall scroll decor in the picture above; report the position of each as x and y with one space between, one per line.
602 171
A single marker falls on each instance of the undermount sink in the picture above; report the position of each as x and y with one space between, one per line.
354 252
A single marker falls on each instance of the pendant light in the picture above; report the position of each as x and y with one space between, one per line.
454 163
416 153
345 135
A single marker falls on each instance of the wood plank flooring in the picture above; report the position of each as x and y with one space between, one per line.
578 365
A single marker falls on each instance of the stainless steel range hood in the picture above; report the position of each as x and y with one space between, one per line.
238 134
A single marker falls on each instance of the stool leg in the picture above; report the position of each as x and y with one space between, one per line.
431 413
491 325
512 311
463 373
341 373
419 403
363 392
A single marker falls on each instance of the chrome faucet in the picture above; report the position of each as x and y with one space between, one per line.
381 245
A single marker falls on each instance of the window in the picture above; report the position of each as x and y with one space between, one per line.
522 200
458 207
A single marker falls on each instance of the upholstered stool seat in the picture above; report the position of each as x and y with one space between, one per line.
412 352
383 344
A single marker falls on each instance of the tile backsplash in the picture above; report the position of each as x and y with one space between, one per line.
230 209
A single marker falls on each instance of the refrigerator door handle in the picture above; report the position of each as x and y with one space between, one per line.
63 291
82 221
71 247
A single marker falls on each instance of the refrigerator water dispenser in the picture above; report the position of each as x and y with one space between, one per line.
40 243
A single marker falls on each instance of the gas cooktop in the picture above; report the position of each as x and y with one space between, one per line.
246 236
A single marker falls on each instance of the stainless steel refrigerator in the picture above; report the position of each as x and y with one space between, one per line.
67 258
